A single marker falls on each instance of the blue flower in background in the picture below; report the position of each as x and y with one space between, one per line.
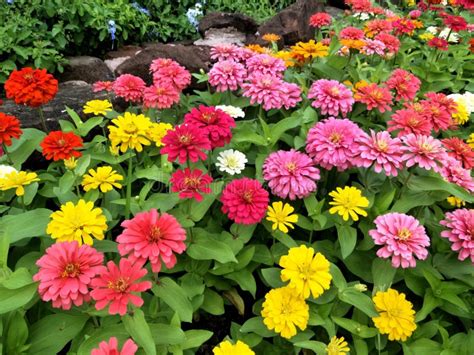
112 29
10 2
142 9
193 13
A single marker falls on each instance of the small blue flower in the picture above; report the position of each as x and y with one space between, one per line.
193 13
10 2
142 9
112 29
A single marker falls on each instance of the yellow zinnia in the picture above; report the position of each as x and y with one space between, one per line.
283 311
70 163
227 348
104 178
348 202
310 49
461 115
129 131
78 222
281 216
307 273
337 346
456 201
271 37
17 180
157 131
470 140
397 317
286 56
426 36
98 107
258 48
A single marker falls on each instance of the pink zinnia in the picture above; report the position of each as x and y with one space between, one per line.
455 23
190 183
374 27
441 99
373 46
262 64
186 142
110 347
216 123
226 52
152 236
405 84
160 97
453 172
402 237
381 150
320 19
425 151
333 143
290 174
439 118
102 86
409 121
227 75
414 14
374 96
167 72
351 33
359 5
460 233
65 273
117 286
460 150
403 26
392 43
290 94
438 43
129 87
331 97
245 201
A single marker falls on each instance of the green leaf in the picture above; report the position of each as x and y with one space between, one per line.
347 237
422 347
316 346
272 277
383 273
195 338
66 182
277 130
355 328
429 304
213 302
209 248
103 334
433 183
199 209
166 334
11 299
20 278
138 328
359 300
25 225
255 325
245 280
90 124
174 296
23 147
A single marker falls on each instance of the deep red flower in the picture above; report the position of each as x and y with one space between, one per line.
32 87
438 43
456 23
9 128
471 45
59 145
186 141
460 151
190 183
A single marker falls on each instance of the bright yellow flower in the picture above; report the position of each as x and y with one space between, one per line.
456 201
258 49
410 2
130 132
348 202
397 317
426 36
98 107
70 163
78 222
461 115
227 348
352 43
286 56
157 131
17 180
281 216
310 49
283 311
104 178
307 273
337 346
470 140
271 37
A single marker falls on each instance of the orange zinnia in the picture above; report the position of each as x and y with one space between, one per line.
59 145
9 128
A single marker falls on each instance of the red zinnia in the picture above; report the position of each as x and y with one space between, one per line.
215 122
471 45
186 141
320 19
460 151
456 23
392 43
59 145
438 43
409 121
374 96
190 183
405 84
32 87
245 201
9 128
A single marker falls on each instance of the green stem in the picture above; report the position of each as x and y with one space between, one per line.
43 121
5 150
129 187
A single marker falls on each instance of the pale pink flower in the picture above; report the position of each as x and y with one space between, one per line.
262 64
290 94
226 52
331 97
160 96
166 71
460 233
453 172
425 151
102 86
373 46
227 75
129 87
110 347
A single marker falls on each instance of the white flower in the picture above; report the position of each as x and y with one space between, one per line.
469 100
5 170
232 111
453 37
433 30
362 15
231 161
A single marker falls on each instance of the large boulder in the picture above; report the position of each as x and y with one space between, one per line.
241 23
219 36
85 68
114 58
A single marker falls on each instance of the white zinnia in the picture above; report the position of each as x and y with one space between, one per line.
232 111
231 161
453 37
433 30
469 100
5 170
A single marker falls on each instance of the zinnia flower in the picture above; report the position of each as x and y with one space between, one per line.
157 131
232 111
31 87
231 161
226 52
373 46
102 86
310 49
152 236
320 19
59 145
9 128
227 75
392 43
118 286
348 202
291 174
281 216
129 131
409 121
103 177
65 273
376 26
331 97
405 84
337 346
79 222
307 271
185 142
190 183
453 172
396 315
17 180
244 201
5 170
462 112
110 347
271 37
425 151
460 225
160 96
456 201
455 23
262 64
460 151
351 33
470 140
283 310
438 43
129 87
227 348
374 96
402 238
70 163
97 107
167 72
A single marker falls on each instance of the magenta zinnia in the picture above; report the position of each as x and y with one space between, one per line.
425 151
111 347
227 75
331 97
460 233
190 183
263 64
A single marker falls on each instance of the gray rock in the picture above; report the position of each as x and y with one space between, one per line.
226 35
242 23
85 68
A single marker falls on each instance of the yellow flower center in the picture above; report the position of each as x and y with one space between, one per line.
155 234
290 167
71 270
382 145
247 196
404 234
120 285
130 129
335 137
232 162
192 182
426 147
334 91
185 139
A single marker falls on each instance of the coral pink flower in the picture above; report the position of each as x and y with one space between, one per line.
226 52
405 84
331 97
110 347
129 87
409 121
453 172
374 96
351 33
160 96
392 43
152 236
262 64
374 27
425 151
437 115
438 43
227 75
185 142
117 286
460 233
381 150
290 174
460 151
65 273
167 72
333 143
441 99
359 5
320 19
402 237
190 183
102 86
245 201
373 46
404 26
414 14
455 23
216 123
